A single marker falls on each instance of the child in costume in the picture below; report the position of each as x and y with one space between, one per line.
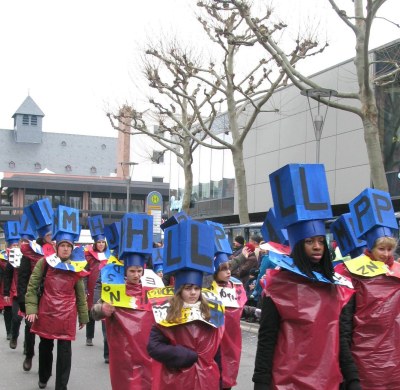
96 256
371 322
188 332
233 297
54 317
12 236
124 306
34 224
298 340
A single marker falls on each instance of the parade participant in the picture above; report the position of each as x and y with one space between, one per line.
233 297
36 221
187 335
298 340
96 256
158 267
371 322
125 308
12 237
276 240
54 316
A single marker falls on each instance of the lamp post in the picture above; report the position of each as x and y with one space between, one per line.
319 119
128 179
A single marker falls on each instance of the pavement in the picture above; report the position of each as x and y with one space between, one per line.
251 327
88 367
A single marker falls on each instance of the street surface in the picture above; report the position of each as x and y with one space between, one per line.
88 368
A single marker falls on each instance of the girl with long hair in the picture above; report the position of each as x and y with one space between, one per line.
186 343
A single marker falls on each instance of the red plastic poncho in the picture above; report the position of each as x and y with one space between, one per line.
94 268
307 351
28 252
204 374
57 312
231 343
376 332
128 330
3 264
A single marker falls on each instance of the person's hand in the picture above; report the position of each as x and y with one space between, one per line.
81 325
31 317
107 309
246 252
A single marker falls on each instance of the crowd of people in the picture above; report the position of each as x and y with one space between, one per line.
170 316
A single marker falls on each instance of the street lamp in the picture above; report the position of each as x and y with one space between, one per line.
319 119
128 176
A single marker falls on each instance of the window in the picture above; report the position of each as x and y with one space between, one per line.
68 168
103 146
33 120
11 164
93 170
38 166
32 195
74 199
25 120
137 206
157 179
56 197
63 143
100 201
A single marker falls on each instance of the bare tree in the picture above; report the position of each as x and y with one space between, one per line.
223 83
169 121
190 94
365 11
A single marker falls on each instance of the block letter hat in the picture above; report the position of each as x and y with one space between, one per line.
136 239
222 249
96 227
301 200
189 252
66 225
373 216
25 229
344 233
40 215
11 232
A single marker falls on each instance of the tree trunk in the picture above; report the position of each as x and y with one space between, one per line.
240 175
371 136
369 110
188 174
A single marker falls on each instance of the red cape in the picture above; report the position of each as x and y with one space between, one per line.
307 351
376 332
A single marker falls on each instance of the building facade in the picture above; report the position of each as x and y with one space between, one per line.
86 172
287 136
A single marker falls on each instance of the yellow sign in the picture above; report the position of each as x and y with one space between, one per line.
155 198
159 299
366 267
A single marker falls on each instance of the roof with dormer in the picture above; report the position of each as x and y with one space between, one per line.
29 107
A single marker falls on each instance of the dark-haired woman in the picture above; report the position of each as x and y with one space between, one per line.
298 340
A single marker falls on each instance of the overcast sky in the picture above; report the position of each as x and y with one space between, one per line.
77 58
